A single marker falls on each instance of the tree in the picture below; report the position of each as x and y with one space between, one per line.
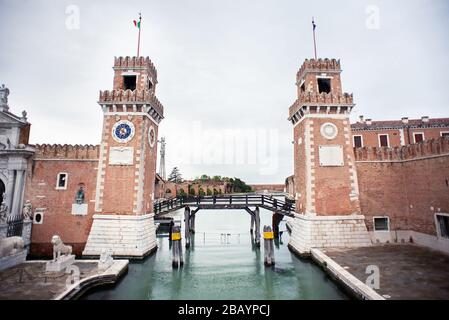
182 193
201 192
209 192
175 176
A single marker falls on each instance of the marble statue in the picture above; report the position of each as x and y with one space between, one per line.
27 210
79 198
4 93
10 246
5 143
3 211
106 259
59 248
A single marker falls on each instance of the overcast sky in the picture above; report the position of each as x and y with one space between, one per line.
226 69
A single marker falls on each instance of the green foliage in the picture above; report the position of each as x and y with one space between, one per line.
201 192
209 192
182 193
175 176
191 191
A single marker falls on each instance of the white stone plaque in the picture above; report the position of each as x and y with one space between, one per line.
331 156
79 209
121 156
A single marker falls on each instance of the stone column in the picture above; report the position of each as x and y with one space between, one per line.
19 185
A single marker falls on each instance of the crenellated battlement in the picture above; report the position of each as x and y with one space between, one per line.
427 148
135 62
327 103
326 98
131 97
66 151
319 65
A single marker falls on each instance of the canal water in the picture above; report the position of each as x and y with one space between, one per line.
222 263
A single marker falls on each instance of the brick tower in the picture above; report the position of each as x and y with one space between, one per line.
124 219
325 179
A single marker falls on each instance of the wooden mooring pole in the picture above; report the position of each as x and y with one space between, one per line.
257 222
177 260
187 225
268 237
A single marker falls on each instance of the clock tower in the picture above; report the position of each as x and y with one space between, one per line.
124 219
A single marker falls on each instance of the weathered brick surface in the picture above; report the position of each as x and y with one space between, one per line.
408 184
57 204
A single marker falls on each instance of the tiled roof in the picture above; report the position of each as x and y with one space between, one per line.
397 124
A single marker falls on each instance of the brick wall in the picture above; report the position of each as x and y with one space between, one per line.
80 163
268 187
408 184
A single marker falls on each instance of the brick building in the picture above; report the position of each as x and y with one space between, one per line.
394 133
393 187
100 197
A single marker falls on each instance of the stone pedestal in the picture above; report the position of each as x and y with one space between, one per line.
12 260
26 232
3 230
132 236
61 264
327 232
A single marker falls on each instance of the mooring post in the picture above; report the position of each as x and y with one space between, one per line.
268 246
187 225
177 259
257 221
276 220
251 229
192 223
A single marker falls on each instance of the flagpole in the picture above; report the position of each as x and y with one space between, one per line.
140 27
314 40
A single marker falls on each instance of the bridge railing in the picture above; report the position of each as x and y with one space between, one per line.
237 199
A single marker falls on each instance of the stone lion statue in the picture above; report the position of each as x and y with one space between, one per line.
10 245
59 248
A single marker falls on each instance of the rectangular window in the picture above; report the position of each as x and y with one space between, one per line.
381 224
358 142
324 85
383 140
61 181
418 137
129 82
445 134
443 225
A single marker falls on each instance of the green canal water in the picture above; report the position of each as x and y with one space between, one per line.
221 267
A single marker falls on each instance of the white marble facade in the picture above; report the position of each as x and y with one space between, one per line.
14 156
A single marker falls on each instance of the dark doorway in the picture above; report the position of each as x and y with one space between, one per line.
324 85
129 83
2 190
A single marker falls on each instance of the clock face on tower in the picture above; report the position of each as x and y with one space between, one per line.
123 131
151 136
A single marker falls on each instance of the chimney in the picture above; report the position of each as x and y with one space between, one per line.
425 119
404 120
361 118
368 122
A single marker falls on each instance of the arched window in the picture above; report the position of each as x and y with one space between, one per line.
61 181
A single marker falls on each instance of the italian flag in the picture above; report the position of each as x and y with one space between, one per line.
137 23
